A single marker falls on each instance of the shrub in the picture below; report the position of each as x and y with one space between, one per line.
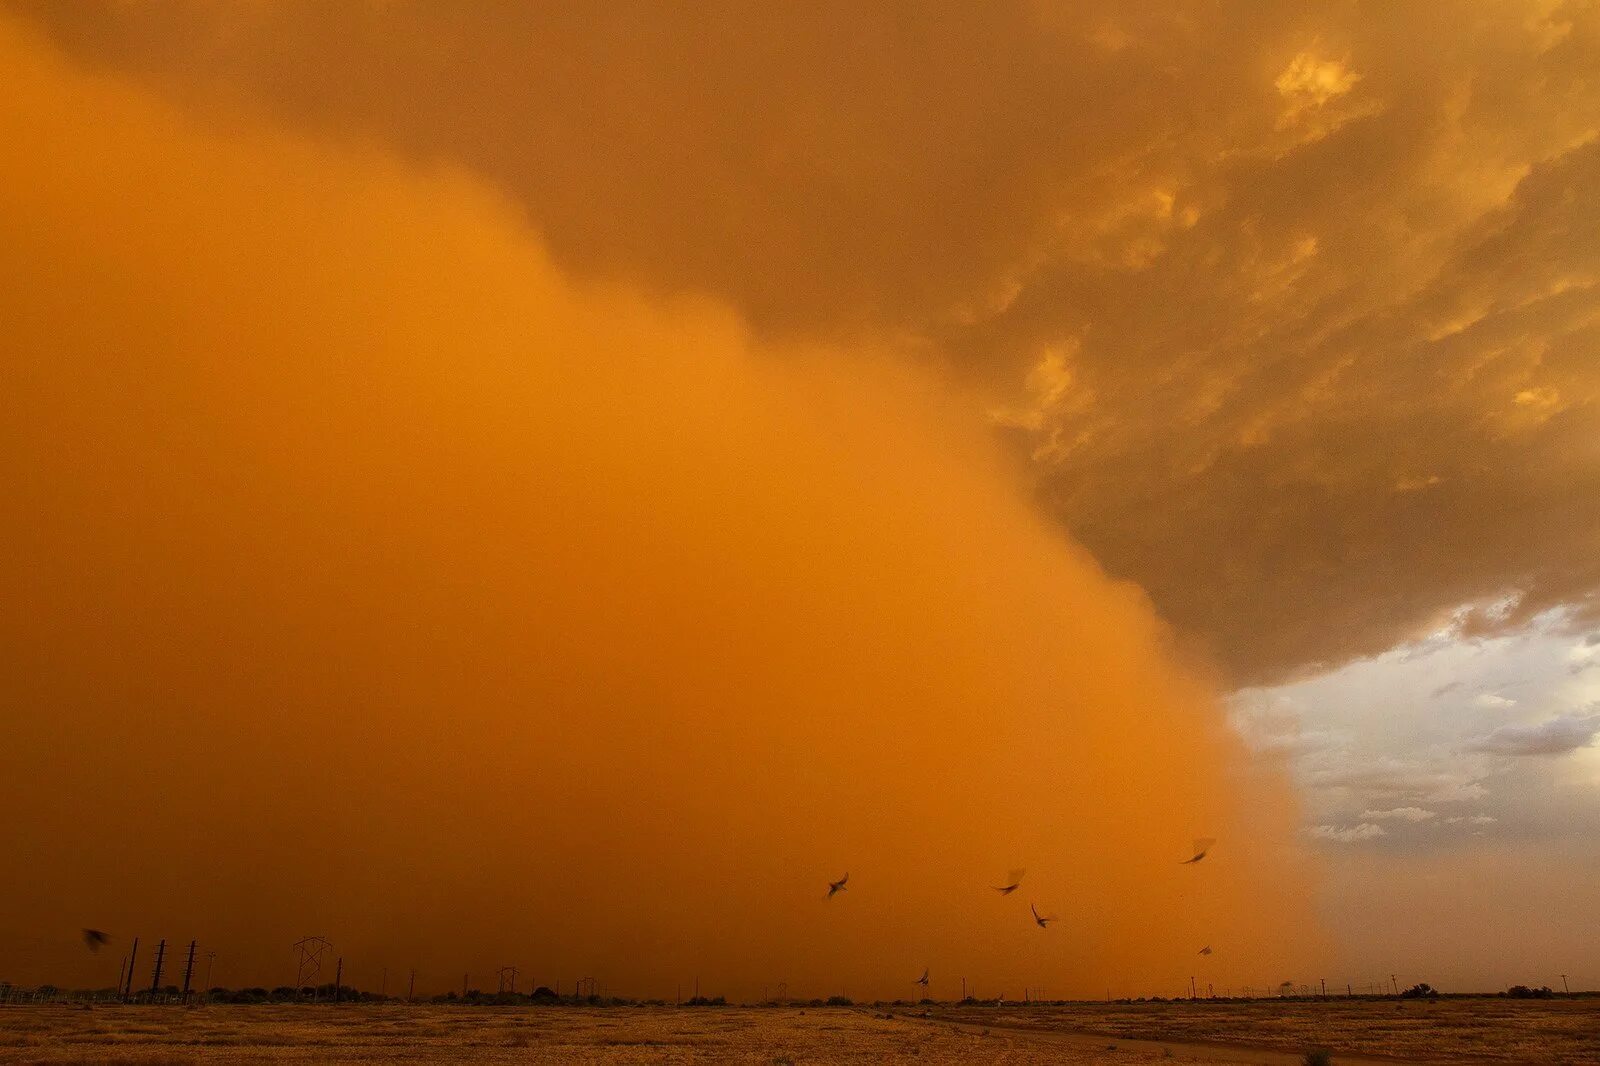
1524 992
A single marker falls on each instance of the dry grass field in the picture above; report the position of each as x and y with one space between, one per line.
1449 1031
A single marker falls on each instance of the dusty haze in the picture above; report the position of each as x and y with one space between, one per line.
367 576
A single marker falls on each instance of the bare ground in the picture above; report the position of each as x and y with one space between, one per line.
1450 1031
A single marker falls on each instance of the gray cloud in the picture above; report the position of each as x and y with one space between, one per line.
1351 834
1406 782
1556 736
1400 814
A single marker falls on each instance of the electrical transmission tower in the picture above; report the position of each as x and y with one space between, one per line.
311 949
508 979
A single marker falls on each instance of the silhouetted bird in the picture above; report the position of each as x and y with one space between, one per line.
1040 919
837 886
94 939
1013 881
1206 950
1200 849
923 980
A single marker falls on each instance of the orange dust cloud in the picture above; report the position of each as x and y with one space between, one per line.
365 576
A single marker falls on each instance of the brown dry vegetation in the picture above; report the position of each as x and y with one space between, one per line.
1452 1030
1461 1031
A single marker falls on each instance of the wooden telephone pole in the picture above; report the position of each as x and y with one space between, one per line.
155 977
133 957
188 971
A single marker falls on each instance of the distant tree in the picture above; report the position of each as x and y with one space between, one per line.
841 1001
1524 992
1420 991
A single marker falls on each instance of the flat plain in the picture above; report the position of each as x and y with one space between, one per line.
1464 1030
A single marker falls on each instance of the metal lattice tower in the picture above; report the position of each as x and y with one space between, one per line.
508 979
308 965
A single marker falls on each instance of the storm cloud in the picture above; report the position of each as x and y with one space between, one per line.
1293 321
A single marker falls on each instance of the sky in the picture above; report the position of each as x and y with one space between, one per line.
632 461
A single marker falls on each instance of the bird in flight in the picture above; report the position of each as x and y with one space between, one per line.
1206 950
94 939
1013 882
837 886
923 980
1039 919
1201 846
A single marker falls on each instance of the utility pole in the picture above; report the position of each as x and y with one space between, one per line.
1191 987
338 978
121 970
463 986
411 989
161 954
1394 984
383 987
133 956
1564 987
188 971
1324 988
963 988
211 957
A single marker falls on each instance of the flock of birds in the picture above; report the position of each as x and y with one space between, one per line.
1202 847
94 939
